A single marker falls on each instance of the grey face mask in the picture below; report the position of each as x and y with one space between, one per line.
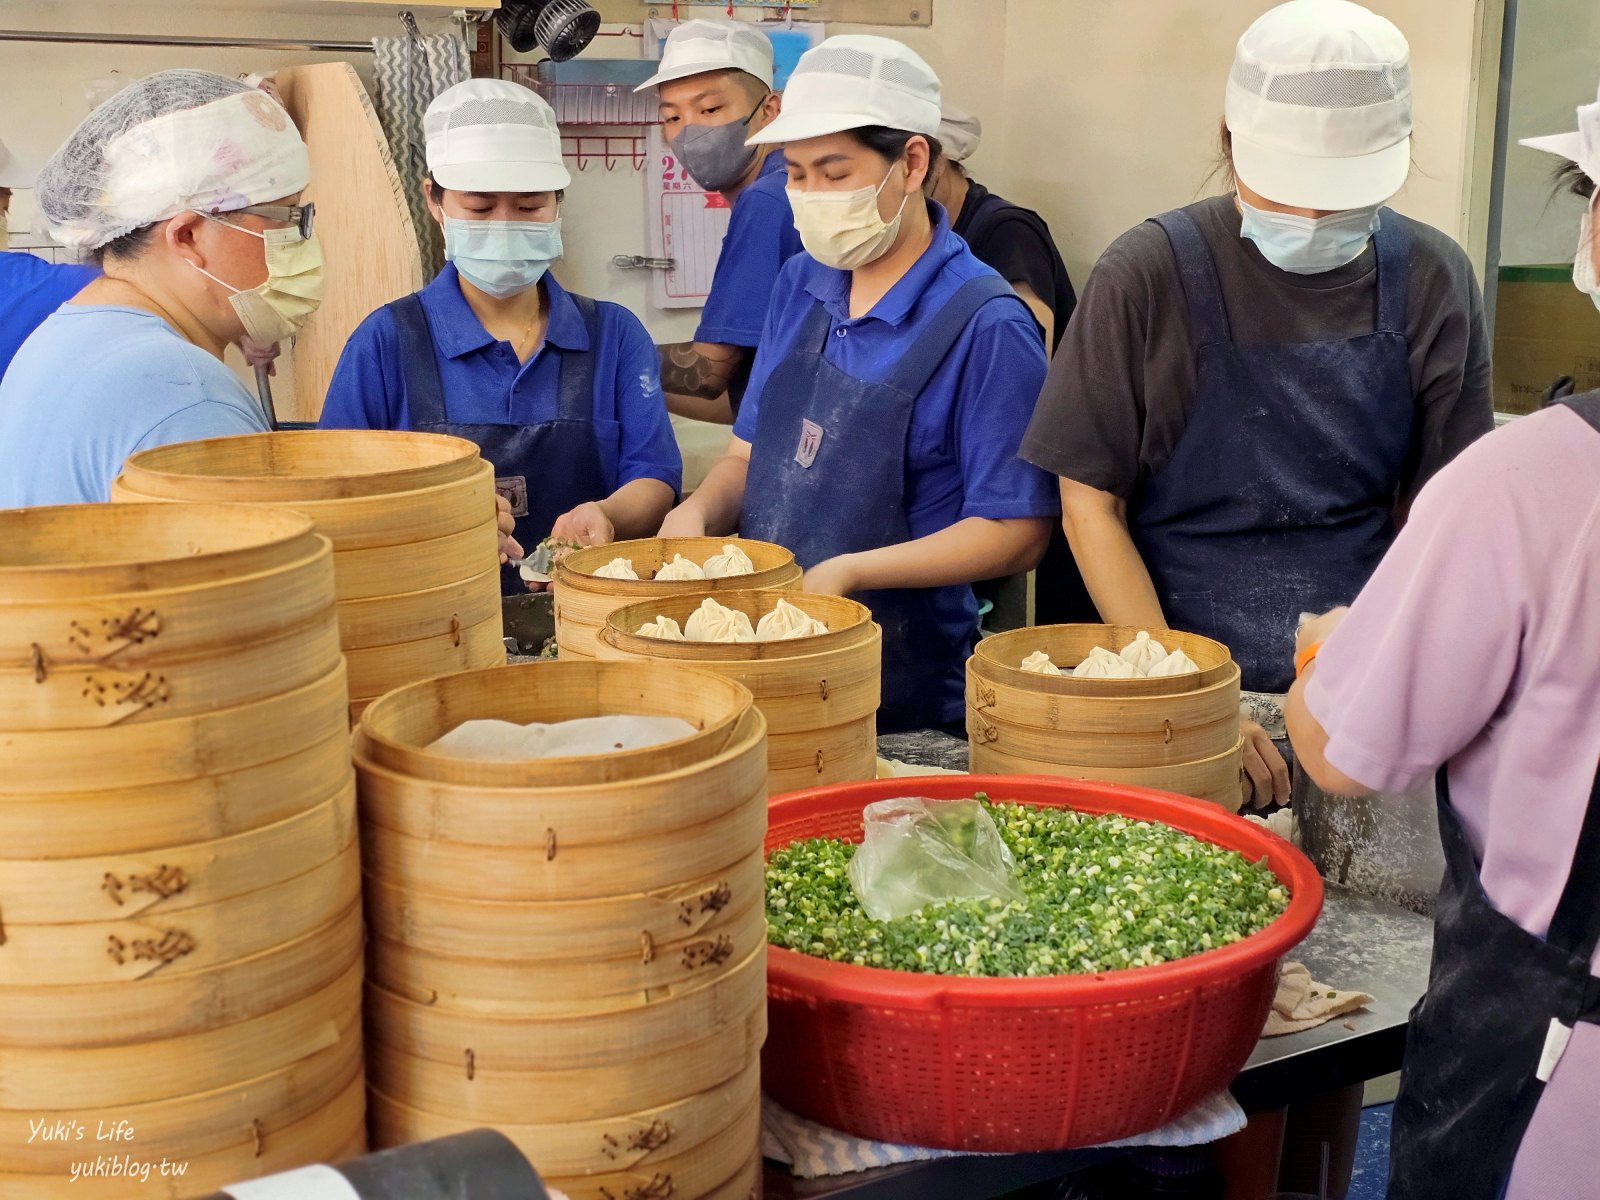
715 155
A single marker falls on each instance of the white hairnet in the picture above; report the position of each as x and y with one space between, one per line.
959 133
176 141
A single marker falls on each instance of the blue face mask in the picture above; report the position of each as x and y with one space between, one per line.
1309 245
502 258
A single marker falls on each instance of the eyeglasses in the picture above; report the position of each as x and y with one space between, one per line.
301 216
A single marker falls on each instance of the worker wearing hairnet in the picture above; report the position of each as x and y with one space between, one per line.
184 188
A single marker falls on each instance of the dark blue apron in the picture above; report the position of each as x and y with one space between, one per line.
1279 498
828 477
544 470
1470 1084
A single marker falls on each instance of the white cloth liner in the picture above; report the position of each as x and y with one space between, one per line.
506 741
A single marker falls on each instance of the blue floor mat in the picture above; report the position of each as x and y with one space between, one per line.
1371 1175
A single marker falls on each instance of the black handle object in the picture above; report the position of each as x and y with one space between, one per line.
480 1165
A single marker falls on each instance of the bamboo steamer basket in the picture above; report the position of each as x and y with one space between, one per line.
179 944
166 1006
132 820
612 927
1179 734
695 1172
820 694
583 601
512 1041
746 1185
484 1096
587 814
178 878
34 1079
411 519
156 752
333 1133
204 1122
396 732
625 1141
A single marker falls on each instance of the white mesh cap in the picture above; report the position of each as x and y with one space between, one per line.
959 134
1319 106
172 142
15 172
853 81
698 46
491 135
1582 146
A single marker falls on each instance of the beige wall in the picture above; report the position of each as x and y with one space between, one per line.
1097 113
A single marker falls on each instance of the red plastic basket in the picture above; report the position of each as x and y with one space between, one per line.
1021 1064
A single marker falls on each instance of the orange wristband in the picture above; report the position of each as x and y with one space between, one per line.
1303 659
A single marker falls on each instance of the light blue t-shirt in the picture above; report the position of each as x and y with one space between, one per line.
97 382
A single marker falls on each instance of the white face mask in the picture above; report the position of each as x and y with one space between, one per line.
283 302
1584 274
1309 245
844 230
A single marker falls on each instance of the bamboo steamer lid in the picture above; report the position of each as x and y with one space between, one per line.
58 554
418 566
511 1041
820 694
154 625
163 1006
43 1078
193 747
694 1173
95 696
332 1134
590 814
396 731
202 1123
305 464
583 600
481 1095
557 870
176 879
180 944
607 927
132 820
623 1142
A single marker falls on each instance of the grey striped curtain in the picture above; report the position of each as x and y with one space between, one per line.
411 71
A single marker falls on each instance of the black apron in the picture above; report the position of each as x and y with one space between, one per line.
1499 1000
543 470
828 477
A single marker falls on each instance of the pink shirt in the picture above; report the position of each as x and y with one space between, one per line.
1477 643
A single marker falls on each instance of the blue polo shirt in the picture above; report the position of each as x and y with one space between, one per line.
760 239
968 422
30 290
961 460
485 384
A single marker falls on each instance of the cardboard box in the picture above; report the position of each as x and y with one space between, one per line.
1544 328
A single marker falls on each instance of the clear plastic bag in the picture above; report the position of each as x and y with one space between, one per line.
919 852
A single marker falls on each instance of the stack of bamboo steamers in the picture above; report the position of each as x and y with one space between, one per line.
180 928
412 522
571 950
